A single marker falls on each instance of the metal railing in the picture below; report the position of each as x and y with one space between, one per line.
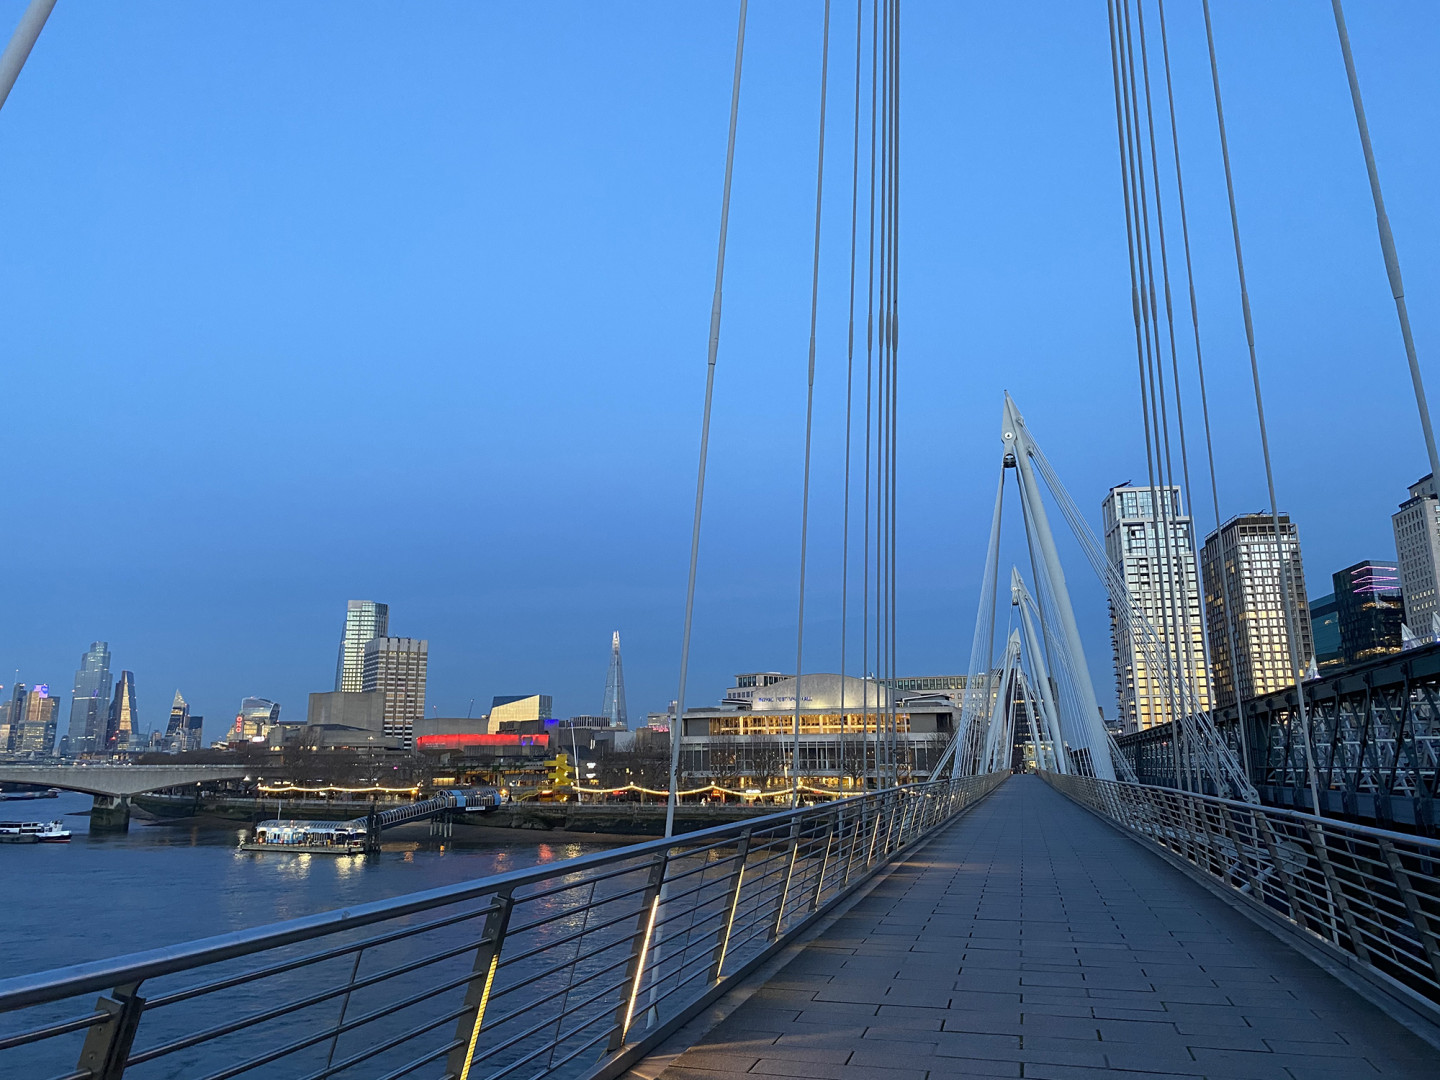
572 969
1370 896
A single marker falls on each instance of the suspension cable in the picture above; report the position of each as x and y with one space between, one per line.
1387 241
810 408
1204 407
850 389
1286 588
872 758
677 726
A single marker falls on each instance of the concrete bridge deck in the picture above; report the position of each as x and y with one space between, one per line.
1031 939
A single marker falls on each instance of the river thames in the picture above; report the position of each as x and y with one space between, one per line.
116 893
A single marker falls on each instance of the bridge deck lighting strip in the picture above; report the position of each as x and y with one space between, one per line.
639 970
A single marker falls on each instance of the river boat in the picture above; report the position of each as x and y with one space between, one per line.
308 837
33 832
25 796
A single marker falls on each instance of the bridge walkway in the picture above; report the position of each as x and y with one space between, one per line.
1031 939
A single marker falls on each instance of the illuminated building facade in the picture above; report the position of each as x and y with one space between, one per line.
1246 600
507 709
1370 608
89 702
122 722
1155 557
365 620
34 729
750 744
254 721
397 668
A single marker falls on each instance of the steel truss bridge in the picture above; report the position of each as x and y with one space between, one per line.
1375 729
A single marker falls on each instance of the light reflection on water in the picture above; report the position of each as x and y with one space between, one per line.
107 895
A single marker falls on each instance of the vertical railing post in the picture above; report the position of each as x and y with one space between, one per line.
1337 893
107 1044
732 904
789 876
477 989
639 952
1412 904
853 836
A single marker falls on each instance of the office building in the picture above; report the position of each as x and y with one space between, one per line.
1325 628
1242 566
12 709
365 620
614 707
39 719
519 708
396 667
89 702
1417 549
183 732
1370 604
1156 561
122 722
255 720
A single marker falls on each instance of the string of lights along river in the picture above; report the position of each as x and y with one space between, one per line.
111 894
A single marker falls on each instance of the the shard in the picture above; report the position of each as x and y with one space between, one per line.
614 708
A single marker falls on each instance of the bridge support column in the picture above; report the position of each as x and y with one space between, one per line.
110 813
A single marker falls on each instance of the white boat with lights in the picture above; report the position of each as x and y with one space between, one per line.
309 837
33 832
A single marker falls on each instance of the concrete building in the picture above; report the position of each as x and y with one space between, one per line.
1246 601
345 708
396 667
1417 549
89 702
750 744
365 620
1155 557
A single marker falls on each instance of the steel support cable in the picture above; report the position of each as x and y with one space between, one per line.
1286 587
810 407
1159 508
1165 561
1204 398
850 384
894 336
1175 541
1132 226
882 714
677 725
1387 240
871 758
982 649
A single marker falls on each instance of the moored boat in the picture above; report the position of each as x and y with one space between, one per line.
33 832
308 837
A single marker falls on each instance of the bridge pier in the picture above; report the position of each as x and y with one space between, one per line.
110 813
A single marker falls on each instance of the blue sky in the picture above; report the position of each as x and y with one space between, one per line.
306 303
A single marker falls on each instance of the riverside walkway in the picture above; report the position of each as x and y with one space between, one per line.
1031 939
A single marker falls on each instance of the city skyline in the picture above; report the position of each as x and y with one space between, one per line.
493 576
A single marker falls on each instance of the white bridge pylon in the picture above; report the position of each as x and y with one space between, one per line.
1067 728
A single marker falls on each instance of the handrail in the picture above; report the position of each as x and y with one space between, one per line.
1365 896
676 920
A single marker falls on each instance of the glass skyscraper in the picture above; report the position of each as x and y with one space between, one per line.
90 700
122 721
614 707
365 620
